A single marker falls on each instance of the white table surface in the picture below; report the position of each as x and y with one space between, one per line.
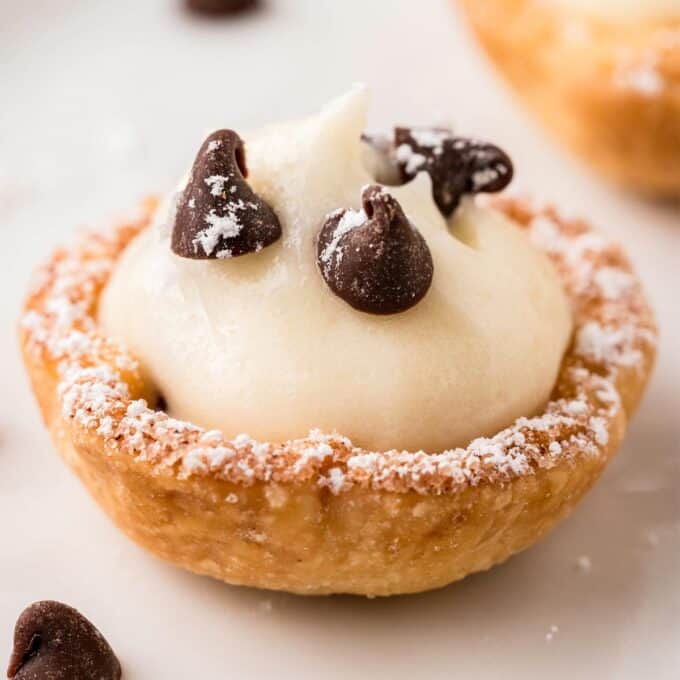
103 101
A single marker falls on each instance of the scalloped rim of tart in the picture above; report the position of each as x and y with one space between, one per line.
431 382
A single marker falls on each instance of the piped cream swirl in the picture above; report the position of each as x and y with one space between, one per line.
259 344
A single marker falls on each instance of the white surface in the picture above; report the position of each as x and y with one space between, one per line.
101 102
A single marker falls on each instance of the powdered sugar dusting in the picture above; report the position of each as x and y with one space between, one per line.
351 219
639 73
412 161
613 282
98 381
220 227
483 178
599 343
217 183
430 138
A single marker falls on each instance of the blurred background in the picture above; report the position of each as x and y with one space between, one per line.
102 103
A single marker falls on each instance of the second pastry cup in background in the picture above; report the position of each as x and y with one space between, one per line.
604 78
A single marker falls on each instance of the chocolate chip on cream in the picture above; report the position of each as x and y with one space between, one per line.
218 215
374 258
457 166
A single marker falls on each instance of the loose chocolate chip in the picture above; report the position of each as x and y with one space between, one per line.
53 641
216 7
218 215
456 165
374 259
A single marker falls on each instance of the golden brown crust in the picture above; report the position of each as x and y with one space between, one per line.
609 91
318 515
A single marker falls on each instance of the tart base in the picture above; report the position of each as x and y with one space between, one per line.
318 515
609 92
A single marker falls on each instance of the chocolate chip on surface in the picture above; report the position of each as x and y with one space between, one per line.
374 258
456 165
53 641
217 7
218 215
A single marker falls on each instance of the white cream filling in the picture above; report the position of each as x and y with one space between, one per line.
259 344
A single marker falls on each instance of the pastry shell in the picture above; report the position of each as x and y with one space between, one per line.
319 515
609 91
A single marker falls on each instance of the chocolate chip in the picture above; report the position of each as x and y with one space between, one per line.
456 165
218 215
216 7
53 641
374 259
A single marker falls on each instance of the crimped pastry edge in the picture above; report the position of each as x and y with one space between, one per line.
318 515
